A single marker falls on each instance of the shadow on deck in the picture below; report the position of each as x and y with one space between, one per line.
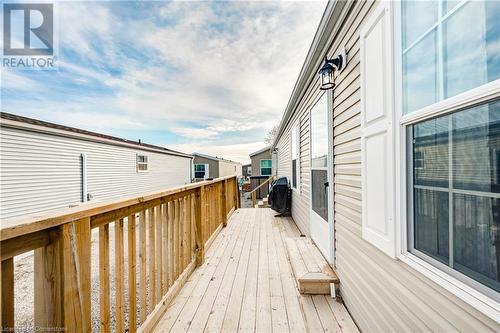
246 283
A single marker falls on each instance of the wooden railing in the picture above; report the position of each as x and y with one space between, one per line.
169 229
253 193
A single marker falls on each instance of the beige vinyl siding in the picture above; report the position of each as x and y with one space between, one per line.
382 294
300 202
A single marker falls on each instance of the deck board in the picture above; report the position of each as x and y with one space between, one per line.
246 284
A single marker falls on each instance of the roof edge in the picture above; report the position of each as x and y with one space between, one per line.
328 25
35 125
261 150
214 158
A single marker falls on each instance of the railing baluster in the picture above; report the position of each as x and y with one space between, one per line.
104 309
132 313
152 280
171 267
176 239
164 221
159 257
186 232
142 257
7 293
181 231
119 259
193 227
200 218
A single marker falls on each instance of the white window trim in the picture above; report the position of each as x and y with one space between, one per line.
137 163
481 302
295 128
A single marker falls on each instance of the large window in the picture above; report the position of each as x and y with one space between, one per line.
456 191
448 47
295 155
266 167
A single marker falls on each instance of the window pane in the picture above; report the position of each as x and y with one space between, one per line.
418 17
199 167
266 171
476 247
293 142
471 47
319 134
471 139
420 74
430 152
266 163
319 191
476 148
431 223
294 173
449 5
199 174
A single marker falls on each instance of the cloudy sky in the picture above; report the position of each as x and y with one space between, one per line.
211 77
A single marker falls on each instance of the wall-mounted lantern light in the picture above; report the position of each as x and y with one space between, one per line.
328 69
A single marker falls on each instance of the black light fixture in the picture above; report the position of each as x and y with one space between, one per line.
328 69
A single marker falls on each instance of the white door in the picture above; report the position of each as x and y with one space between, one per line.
321 209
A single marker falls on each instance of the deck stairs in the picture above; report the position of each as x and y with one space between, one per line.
313 274
264 203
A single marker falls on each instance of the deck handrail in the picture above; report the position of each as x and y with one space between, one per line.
174 226
253 193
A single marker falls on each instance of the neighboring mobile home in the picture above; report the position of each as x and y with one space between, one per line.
247 170
396 170
261 162
211 167
262 169
47 166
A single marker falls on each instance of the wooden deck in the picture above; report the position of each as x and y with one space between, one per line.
246 284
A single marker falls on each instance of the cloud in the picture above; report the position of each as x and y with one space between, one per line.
236 152
207 71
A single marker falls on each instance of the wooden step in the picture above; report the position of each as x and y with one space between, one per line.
312 272
263 203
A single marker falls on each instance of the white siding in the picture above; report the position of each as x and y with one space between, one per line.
41 171
227 168
381 294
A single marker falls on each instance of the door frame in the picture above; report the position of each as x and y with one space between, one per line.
330 256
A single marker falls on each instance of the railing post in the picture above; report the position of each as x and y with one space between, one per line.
7 297
237 194
62 279
224 203
200 220
47 283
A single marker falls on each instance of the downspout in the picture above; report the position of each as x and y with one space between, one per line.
84 177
